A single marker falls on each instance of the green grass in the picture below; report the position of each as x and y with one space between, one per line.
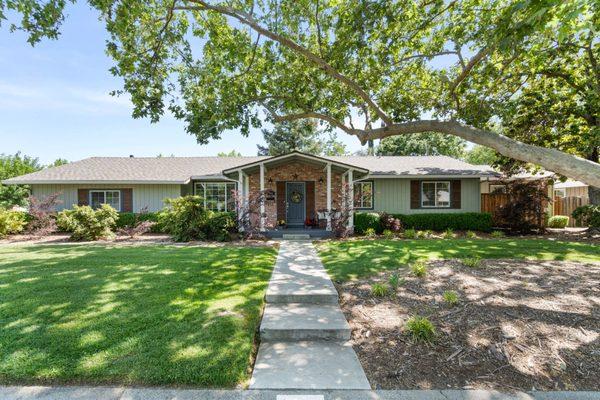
347 260
154 315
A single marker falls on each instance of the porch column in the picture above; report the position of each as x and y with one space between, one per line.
351 200
240 199
262 203
328 196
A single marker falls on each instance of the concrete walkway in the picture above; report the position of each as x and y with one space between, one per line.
119 393
303 331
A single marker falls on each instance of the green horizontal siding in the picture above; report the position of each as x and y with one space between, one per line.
393 196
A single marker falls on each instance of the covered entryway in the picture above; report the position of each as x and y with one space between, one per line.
295 198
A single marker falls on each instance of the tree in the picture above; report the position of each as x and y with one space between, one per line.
58 162
481 155
422 144
301 59
301 135
232 153
11 166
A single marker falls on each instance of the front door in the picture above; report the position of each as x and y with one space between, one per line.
295 195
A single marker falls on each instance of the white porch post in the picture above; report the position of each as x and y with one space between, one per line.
351 200
240 199
262 203
329 196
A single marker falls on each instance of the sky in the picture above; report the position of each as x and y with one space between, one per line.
55 102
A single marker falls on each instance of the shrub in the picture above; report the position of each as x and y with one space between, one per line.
441 221
498 234
471 235
138 225
558 221
185 218
421 234
588 215
128 219
394 281
220 226
85 223
389 222
42 221
450 297
379 290
526 208
11 222
420 329
472 262
388 234
419 269
364 221
370 232
410 234
448 234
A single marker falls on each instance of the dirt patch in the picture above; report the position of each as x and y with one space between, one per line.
518 325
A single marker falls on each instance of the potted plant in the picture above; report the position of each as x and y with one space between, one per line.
281 224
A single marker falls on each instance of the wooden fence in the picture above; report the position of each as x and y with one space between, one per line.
566 206
490 202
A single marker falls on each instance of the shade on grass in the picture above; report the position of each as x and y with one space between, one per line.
351 259
130 315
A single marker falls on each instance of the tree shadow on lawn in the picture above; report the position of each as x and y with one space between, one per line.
140 315
352 259
519 324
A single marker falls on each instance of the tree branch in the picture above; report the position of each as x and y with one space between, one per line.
315 115
432 55
247 19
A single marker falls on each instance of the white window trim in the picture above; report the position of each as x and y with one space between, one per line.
227 193
435 198
106 191
361 206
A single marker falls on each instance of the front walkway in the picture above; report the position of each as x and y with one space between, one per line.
304 333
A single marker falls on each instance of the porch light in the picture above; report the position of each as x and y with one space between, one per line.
321 180
270 180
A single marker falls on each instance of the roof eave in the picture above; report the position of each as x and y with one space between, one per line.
90 182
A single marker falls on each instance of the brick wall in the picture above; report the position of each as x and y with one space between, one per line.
304 172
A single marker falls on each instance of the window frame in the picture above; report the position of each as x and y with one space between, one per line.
372 183
563 190
104 191
435 189
228 198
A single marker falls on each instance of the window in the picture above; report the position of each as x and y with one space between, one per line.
363 195
560 193
497 188
435 194
110 197
217 195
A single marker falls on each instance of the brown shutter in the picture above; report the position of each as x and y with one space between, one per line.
455 193
83 197
415 194
280 200
127 200
310 200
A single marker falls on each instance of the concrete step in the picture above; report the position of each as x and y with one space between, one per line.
296 322
307 365
295 236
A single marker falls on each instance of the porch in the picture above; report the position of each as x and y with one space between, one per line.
316 233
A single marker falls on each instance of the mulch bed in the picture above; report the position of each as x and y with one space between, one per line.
519 325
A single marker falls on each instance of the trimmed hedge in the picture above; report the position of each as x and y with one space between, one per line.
128 218
558 221
469 221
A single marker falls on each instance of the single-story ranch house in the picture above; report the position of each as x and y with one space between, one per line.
304 186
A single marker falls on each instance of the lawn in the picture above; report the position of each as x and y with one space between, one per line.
152 315
346 260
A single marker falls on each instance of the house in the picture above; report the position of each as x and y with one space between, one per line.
303 185
571 188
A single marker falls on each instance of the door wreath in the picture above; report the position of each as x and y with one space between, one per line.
296 197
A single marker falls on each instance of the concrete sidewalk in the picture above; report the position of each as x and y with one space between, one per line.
119 393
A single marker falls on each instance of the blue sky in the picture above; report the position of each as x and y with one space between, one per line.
54 102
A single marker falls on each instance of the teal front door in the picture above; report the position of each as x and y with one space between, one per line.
295 196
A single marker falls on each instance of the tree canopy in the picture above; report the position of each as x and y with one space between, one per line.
301 135
232 153
481 155
11 166
371 69
423 144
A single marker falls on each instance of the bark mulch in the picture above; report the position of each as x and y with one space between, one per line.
518 325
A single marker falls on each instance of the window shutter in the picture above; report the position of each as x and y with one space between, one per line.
310 199
280 200
127 200
83 197
415 194
455 193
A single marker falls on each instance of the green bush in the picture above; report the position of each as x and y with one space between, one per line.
471 235
588 215
419 269
388 234
448 234
409 234
441 221
364 221
498 234
11 222
370 232
472 262
127 219
394 281
85 223
185 218
450 297
379 290
220 226
558 221
420 329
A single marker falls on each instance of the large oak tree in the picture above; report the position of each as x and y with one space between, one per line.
373 69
